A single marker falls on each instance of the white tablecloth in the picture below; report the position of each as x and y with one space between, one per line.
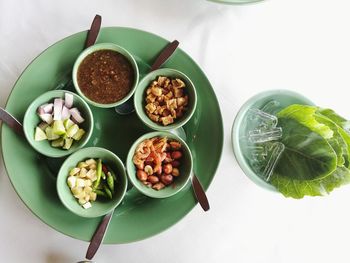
292 44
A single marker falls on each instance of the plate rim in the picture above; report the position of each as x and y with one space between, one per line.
221 133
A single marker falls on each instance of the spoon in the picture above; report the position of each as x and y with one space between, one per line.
128 106
11 121
101 229
196 185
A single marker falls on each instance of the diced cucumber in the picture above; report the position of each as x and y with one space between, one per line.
68 123
67 143
58 128
39 134
50 135
79 134
72 130
57 143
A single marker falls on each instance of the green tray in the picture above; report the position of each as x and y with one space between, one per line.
138 217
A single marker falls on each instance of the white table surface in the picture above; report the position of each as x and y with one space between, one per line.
293 44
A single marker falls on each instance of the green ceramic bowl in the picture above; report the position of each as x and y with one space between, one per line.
285 98
31 120
139 99
179 183
101 206
105 46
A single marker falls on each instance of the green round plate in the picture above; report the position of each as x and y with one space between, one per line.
34 176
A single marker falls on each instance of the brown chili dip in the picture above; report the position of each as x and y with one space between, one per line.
105 76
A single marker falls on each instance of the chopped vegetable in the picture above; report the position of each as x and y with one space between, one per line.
65 113
58 123
46 117
87 184
67 143
68 100
76 115
68 123
57 143
71 131
80 133
50 134
39 134
57 109
58 128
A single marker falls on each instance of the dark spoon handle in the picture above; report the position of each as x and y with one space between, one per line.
98 236
200 193
93 32
164 55
11 121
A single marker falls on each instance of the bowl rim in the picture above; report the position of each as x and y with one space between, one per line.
117 202
61 153
130 155
177 124
245 167
105 46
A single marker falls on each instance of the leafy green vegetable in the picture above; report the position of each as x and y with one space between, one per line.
307 156
299 188
317 154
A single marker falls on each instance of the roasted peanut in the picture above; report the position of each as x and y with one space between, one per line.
159 170
167 168
158 186
175 163
175 172
148 169
176 155
148 184
175 145
153 179
166 179
141 175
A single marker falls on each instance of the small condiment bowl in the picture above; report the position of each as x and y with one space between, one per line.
105 46
178 184
99 207
31 121
140 96
285 98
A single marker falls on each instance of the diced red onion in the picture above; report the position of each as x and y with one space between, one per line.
40 111
68 100
57 109
46 117
76 116
65 113
48 107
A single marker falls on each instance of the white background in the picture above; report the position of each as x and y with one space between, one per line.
293 44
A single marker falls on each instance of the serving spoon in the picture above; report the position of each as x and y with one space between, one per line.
128 106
